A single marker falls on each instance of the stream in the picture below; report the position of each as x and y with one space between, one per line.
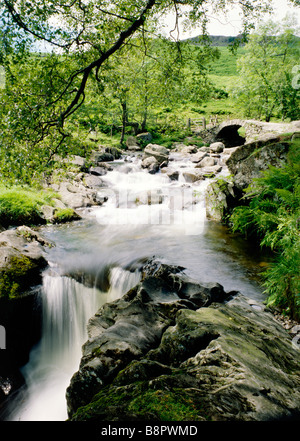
145 215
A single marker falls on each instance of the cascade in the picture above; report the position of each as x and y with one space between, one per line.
67 307
144 215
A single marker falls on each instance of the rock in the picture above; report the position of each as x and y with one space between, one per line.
148 161
76 195
132 144
144 137
206 162
92 181
116 153
128 328
170 340
189 149
47 212
172 174
151 164
79 161
97 157
159 152
197 157
217 147
98 171
22 263
192 176
248 161
221 197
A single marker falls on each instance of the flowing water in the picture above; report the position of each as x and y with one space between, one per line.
144 215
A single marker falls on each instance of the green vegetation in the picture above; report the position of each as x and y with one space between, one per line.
16 276
63 215
265 85
272 217
172 404
22 205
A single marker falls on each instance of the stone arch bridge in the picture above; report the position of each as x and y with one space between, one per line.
229 132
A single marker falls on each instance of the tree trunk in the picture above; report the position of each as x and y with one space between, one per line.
124 121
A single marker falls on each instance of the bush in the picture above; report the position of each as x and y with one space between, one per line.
272 216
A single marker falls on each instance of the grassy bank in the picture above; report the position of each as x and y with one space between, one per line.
22 205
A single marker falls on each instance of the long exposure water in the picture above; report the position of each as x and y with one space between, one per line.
145 215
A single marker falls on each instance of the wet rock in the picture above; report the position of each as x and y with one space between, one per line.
172 174
128 328
103 156
217 147
22 262
224 362
197 157
192 176
150 160
206 162
159 152
97 171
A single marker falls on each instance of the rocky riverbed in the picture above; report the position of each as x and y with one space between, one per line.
172 347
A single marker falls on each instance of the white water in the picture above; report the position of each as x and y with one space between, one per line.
67 307
144 215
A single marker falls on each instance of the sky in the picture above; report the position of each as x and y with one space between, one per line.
231 25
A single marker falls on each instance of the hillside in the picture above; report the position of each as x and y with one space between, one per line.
216 40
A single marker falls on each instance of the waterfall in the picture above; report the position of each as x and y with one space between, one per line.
67 307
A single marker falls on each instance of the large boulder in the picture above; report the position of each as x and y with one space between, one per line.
151 163
249 160
133 144
145 137
224 362
160 153
128 328
221 196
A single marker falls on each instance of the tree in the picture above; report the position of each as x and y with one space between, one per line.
266 86
79 37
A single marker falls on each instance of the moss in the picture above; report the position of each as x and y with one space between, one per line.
65 215
140 402
17 276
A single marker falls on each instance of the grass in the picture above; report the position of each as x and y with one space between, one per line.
22 205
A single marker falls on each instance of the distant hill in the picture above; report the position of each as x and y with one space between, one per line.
216 40
223 40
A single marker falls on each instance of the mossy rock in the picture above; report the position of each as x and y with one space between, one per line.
19 274
63 215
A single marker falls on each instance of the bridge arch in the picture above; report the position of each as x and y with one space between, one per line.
229 135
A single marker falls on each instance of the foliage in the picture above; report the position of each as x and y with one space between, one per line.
76 42
265 86
21 205
272 216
